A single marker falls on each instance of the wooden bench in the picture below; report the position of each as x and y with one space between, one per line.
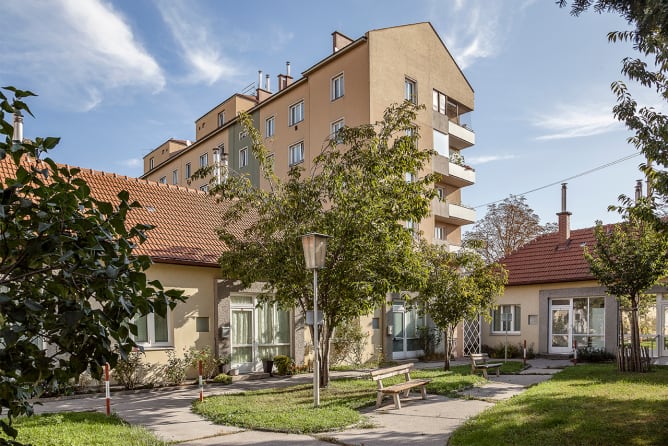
395 389
479 362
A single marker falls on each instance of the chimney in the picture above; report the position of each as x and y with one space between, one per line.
284 80
564 217
17 137
259 78
287 68
216 162
638 190
267 84
339 41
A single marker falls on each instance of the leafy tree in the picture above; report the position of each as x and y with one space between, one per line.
68 275
629 258
460 286
357 193
506 227
649 36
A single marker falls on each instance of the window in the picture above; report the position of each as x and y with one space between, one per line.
336 126
506 317
221 119
163 180
175 176
410 224
243 157
410 177
242 134
410 90
269 127
441 143
439 233
151 163
202 324
203 160
337 87
153 331
440 193
439 100
187 170
204 188
296 153
296 113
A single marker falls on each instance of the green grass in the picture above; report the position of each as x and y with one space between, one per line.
291 409
80 429
583 405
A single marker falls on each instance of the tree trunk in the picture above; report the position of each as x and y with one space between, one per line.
636 364
324 357
446 340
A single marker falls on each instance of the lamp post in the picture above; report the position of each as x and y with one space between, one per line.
315 248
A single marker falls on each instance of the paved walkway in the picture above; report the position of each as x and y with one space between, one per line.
420 423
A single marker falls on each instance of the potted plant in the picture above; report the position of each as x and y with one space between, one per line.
267 364
224 363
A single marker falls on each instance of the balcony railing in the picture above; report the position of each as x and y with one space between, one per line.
453 174
461 136
454 213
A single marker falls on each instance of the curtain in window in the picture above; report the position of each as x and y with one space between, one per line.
161 331
142 329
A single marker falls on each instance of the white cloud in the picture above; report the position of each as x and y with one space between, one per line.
132 162
74 52
576 121
483 159
199 47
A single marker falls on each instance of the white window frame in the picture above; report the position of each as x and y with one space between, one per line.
243 157
162 180
204 160
175 176
336 126
242 134
150 330
440 193
221 118
410 90
204 188
188 170
338 87
515 320
151 163
296 113
269 127
439 233
296 148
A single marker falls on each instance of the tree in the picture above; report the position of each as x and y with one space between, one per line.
68 277
356 193
460 286
649 20
506 227
628 258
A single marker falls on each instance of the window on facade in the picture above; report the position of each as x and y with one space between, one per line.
439 100
269 127
296 153
268 337
589 321
410 177
410 225
153 331
204 160
151 163
175 176
441 143
506 318
337 87
439 233
204 188
243 157
440 193
187 170
242 134
163 180
336 126
221 119
410 90
296 113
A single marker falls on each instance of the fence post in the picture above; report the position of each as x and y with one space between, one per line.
106 389
201 383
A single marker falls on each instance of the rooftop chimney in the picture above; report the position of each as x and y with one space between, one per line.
284 80
259 78
287 68
564 217
638 190
17 137
267 84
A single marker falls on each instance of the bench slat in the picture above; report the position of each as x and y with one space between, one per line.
395 389
398 388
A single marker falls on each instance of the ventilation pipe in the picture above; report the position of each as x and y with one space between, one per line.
564 217
267 85
259 78
287 68
17 136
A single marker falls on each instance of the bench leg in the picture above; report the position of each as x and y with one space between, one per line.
484 373
423 391
379 399
498 371
397 402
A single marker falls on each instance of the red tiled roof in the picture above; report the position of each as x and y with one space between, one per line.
546 259
185 219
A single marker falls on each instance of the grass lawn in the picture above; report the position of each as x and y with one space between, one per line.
583 405
80 429
291 409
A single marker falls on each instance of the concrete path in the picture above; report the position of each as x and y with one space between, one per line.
420 423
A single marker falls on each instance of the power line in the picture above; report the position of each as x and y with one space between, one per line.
586 172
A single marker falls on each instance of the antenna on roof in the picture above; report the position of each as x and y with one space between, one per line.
250 88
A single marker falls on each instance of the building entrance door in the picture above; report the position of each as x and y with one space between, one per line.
405 331
560 327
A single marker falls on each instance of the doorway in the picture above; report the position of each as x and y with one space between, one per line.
406 323
580 320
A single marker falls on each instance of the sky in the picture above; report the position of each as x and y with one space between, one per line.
117 78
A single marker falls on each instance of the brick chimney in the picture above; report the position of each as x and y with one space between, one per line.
564 217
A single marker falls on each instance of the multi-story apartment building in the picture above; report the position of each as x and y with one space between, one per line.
351 86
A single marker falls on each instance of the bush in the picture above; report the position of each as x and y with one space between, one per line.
283 364
222 379
209 362
430 337
514 351
592 354
130 372
349 343
176 368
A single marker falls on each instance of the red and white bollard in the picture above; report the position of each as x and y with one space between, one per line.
201 383
524 360
106 389
575 352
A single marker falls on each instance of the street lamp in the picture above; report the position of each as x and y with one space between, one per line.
315 248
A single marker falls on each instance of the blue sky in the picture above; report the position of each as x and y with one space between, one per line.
117 78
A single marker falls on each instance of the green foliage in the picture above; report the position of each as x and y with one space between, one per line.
514 351
209 362
177 368
356 192
222 378
349 343
68 274
130 371
283 364
430 337
592 354
460 286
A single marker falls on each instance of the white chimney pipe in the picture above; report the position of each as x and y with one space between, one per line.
564 217
287 68
259 78
216 162
563 197
17 137
268 83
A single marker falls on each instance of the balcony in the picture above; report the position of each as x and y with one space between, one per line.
452 213
460 137
452 173
451 247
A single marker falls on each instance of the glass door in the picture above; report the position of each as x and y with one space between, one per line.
560 328
663 343
406 324
242 340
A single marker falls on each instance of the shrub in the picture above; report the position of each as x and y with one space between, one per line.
349 343
514 351
209 362
176 368
430 337
222 378
298 369
592 354
283 364
130 372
